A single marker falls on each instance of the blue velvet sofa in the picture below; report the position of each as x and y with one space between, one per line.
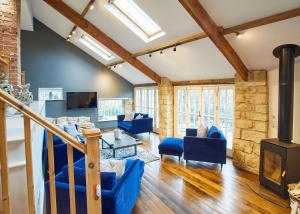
136 126
60 154
118 198
207 149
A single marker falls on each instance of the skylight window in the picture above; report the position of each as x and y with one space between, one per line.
135 19
101 51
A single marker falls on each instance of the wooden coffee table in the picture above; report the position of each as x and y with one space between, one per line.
125 141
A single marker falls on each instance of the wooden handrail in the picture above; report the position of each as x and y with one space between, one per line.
13 102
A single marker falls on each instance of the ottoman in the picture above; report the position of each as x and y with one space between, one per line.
171 146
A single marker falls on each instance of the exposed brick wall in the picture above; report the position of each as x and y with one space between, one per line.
251 119
10 37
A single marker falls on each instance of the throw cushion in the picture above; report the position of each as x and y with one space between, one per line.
128 117
139 116
202 131
108 179
117 166
214 132
71 129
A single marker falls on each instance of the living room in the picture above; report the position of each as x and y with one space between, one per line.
195 110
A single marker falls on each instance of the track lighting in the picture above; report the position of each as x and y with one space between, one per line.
115 66
150 55
161 51
73 32
92 7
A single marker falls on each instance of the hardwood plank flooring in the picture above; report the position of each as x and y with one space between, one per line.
172 187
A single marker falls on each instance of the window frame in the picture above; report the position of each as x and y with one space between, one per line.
110 99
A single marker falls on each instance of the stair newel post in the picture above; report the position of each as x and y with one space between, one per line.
4 161
92 161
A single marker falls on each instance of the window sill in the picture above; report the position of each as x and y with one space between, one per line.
112 120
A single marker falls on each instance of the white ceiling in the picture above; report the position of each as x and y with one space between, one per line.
192 61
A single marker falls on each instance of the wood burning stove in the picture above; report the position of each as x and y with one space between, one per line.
280 158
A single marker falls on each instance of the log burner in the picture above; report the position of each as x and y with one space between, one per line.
280 158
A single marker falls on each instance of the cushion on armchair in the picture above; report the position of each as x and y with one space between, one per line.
213 132
108 179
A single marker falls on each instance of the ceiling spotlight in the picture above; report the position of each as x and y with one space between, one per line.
161 51
238 35
150 55
73 32
68 39
92 7
120 65
69 36
174 48
115 66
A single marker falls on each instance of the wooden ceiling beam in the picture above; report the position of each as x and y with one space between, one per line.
84 12
195 9
100 36
234 29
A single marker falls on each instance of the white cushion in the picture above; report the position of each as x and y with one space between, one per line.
84 119
61 120
202 131
72 120
128 117
117 166
139 117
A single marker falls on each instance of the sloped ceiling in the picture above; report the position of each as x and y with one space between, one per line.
193 61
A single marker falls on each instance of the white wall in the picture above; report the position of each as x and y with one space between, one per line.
273 103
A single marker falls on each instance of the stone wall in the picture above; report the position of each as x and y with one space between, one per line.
251 119
10 37
166 108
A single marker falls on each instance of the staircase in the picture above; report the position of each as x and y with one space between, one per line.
90 149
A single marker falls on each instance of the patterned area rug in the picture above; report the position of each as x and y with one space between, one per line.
142 154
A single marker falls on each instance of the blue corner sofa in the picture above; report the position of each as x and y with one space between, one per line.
60 154
136 126
118 195
207 149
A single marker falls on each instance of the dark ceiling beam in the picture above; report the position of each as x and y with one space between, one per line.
100 36
195 9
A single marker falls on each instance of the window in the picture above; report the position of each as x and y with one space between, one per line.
146 101
97 48
213 105
135 19
108 109
50 94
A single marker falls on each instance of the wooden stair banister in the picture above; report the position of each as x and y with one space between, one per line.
90 149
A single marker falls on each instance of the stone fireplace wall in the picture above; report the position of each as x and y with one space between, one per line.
251 119
166 108
10 37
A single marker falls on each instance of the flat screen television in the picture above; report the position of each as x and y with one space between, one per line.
77 100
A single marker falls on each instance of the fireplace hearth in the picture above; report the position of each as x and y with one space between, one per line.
280 158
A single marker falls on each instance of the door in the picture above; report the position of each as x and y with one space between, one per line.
208 116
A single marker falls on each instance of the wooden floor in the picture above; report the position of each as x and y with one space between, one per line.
172 187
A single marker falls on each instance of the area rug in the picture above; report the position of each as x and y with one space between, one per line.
142 154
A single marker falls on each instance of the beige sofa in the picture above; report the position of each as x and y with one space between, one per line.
81 122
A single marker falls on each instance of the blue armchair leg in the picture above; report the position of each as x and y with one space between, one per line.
186 161
179 158
161 156
221 167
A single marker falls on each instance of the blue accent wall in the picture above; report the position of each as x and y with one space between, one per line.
50 61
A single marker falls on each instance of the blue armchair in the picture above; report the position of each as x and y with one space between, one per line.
136 126
207 149
120 199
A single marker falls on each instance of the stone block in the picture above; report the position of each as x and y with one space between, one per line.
261 126
243 124
252 161
237 133
262 109
240 98
254 136
257 116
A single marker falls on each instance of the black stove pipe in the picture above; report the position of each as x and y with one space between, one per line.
286 54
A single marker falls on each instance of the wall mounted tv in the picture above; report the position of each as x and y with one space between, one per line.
77 100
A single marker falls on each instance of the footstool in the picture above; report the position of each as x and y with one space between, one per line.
171 146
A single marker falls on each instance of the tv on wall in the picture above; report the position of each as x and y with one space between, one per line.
79 100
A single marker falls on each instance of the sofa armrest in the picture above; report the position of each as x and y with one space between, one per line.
121 117
142 125
205 149
191 132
